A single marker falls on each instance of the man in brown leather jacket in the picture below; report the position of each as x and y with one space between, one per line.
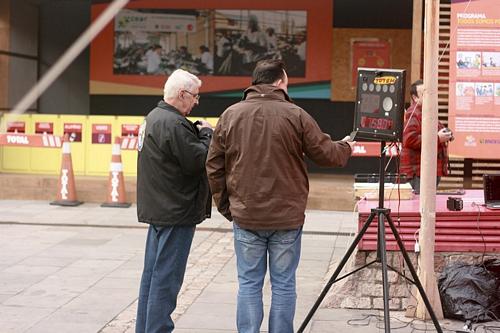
258 178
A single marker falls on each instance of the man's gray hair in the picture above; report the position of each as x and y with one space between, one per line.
180 80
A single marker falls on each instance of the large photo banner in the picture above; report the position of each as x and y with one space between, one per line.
148 40
474 95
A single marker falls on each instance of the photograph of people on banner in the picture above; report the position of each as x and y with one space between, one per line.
207 41
243 37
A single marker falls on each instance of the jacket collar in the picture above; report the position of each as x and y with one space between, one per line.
265 90
414 108
165 106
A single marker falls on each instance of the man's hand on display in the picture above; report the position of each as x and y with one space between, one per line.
445 135
347 138
350 141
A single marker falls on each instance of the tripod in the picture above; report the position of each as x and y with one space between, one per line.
382 214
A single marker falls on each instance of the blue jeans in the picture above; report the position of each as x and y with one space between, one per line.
167 250
415 183
252 249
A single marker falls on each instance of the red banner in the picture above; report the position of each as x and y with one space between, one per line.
30 140
101 133
220 41
16 127
130 130
74 131
372 149
44 128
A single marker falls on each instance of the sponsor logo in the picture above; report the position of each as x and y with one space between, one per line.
359 150
490 141
385 80
18 139
64 184
470 141
115 182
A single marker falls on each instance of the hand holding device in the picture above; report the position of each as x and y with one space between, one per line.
202 123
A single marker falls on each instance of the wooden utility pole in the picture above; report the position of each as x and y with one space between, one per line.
428 162
416 41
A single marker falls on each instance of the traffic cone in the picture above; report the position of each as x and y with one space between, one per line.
116 183
66 190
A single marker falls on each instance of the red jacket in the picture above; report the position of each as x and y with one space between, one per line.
412 145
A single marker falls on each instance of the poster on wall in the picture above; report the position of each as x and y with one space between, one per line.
474 95
148 40
371 53
159 41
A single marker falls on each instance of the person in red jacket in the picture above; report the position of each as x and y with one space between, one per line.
412 140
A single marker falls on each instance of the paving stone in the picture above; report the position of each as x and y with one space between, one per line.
15 319
14 283
86 279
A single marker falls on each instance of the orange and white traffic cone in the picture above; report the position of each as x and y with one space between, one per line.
66 190
116 182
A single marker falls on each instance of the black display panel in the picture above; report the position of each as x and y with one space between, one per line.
379 104
491 186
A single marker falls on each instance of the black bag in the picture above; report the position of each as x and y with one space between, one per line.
471 292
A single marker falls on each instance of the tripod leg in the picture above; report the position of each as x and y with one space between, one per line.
336 273
414 275
385 281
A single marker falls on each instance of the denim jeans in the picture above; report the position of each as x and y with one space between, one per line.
415 183
167 250
252 249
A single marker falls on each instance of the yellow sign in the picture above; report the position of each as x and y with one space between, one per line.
385 80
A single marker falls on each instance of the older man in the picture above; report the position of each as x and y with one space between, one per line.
172 196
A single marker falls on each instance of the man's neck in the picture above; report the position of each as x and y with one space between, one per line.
176 104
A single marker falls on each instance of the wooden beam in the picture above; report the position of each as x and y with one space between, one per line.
416 41
428 164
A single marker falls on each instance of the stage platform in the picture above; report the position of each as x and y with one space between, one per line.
326 191
473 229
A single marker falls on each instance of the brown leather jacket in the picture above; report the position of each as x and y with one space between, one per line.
255 164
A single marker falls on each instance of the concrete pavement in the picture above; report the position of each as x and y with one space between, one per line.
77 269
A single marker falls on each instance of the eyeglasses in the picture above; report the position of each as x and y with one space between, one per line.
195 96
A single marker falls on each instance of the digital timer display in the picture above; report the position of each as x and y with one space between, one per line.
376 123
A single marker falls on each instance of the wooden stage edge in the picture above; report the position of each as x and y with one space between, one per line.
326 191
473 229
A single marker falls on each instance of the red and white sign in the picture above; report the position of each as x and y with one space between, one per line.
16 127
130 130
129 143
372 149
74 131
30 140
101 133
44 127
